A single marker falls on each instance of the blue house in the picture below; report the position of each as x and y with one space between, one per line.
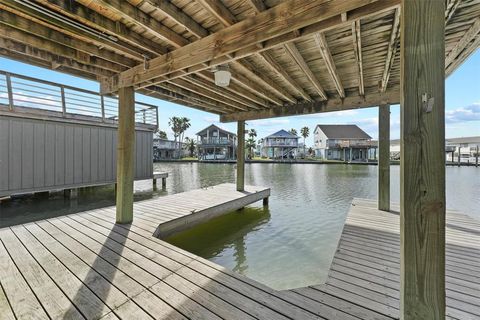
280 145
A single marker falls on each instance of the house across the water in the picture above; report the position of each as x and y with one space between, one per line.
215 143
164 149
280 145
345 142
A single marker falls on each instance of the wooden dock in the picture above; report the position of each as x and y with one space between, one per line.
366 266
84 266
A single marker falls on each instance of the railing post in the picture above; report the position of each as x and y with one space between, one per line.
102 107
9 91
64 104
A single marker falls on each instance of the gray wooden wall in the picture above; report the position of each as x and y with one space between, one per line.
38 155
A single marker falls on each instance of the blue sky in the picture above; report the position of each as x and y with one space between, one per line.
462 106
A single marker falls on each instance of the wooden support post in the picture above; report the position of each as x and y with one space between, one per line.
384 158
64 103
422 171
241 156
265 202
459 153
9 91
476 157
164 183
125 154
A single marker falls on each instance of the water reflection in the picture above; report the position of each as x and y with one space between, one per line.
224 235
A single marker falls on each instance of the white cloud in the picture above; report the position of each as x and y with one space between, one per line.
468 113
211 119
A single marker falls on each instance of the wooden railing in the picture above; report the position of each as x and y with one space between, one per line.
18 92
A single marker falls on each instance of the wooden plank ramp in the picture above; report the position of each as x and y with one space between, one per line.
84 266
366 267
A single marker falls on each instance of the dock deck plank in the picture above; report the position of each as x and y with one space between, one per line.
85 265
366 267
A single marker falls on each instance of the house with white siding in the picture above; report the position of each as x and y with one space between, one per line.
342 142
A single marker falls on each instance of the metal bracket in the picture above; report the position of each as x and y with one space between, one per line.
427 102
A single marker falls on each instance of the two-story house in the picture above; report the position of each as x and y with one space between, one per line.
342 142
280 145
167 149
215 143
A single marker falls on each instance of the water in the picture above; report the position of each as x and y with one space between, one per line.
291 243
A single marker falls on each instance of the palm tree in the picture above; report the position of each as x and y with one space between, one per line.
293 131
304 132
161 134
175 124
251 143
191 145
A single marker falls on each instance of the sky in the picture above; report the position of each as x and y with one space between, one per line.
462 106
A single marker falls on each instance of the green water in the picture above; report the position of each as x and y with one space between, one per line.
289 244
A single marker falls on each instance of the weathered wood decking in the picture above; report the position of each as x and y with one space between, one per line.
86 266
366 266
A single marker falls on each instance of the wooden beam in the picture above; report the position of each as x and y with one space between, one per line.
248 33
470 49
249 70
357 49
257 5
295 55
44 19
44 30
125 154
392 96
228 94
140 18
364 11
327 57
274 66
392 50
46 47
177 15
450 10
219 11
469 36
55 61
384 157
422 166
240 155
93 19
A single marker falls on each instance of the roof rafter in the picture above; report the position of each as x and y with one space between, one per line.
327 57
140 18
93 19
219 11
259 6
177 15
470 35
392 50
253 31
357 48
292 50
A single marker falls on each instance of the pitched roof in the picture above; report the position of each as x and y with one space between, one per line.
212 126
343 131
282 134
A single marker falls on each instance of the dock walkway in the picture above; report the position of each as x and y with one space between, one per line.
366 267
86 266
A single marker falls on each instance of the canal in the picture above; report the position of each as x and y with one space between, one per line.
289 244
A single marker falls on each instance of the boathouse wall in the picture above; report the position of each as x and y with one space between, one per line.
42 155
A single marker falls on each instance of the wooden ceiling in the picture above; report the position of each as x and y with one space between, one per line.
286 57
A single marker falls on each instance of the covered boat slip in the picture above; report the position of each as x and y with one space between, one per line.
86 266
284 58
366 267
